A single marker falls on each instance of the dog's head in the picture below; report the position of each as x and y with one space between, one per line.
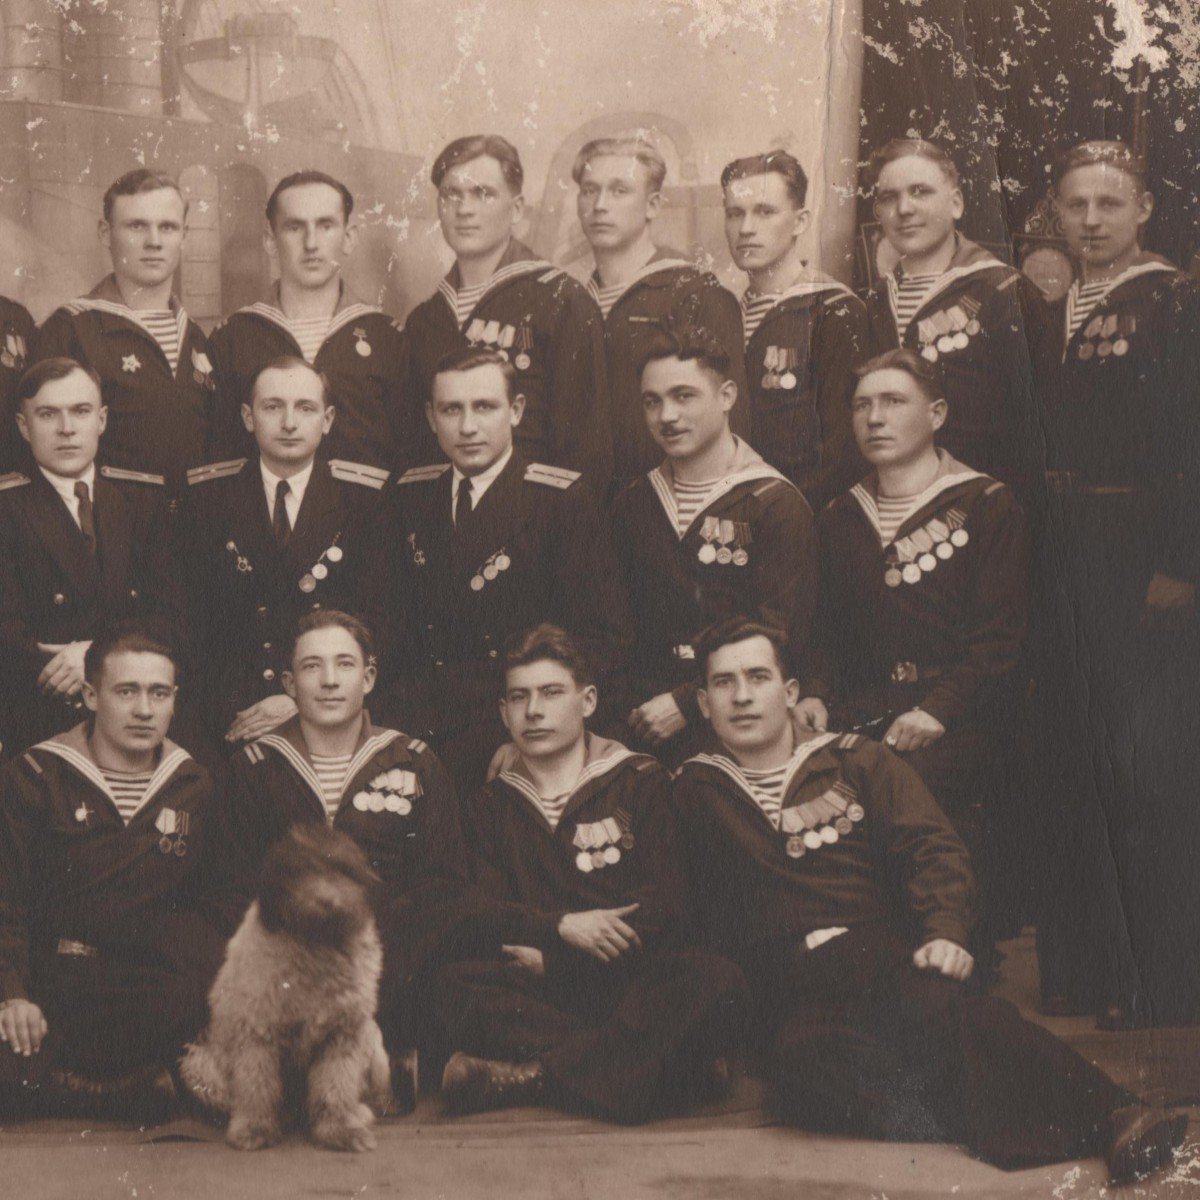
316 885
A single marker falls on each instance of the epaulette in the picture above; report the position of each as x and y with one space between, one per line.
255 753
33 762
551 274
133 476
424 474
13 479
769 486
1011 281
417 746
221 470
848 741
558 477
996 485
649 764
352 472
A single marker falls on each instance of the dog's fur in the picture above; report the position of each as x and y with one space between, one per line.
293 1005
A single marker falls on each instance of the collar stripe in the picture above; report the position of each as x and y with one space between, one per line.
871 510
1074 320
944 282
304 769
666 493
84 765
526 266
595 770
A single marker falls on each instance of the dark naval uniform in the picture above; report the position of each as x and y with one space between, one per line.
54 589
612 1037
749 551
158 421
361 357
249 591
668 290
799 369
1120 406
17 332
824 906
973 328
445 601
552 333
114 930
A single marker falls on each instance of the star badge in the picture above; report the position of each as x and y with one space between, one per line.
130 363
82 813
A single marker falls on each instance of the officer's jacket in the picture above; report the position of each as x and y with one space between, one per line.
534 549
17 332
799 368
749 551
72 871
360 356
612 845
1120 400
157 421
942 607
248 591
551 331
398 804
859 839
976 329
53 590
668 291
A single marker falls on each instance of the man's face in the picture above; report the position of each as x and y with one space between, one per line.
133 699
545 709
329 678
473 417
288 415
615 203
1102 214
477 209
761 221
917 206
63 424
310 238
686 405
746 698
894 422
145 236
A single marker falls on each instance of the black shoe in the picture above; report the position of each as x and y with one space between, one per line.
1144 1140
476 1084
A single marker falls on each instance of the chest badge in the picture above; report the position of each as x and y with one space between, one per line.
361 346
82 813
600 842
490 570
202 369
174 828
130 363
14 353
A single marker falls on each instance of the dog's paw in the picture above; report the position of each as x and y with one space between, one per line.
355 1136
246 1134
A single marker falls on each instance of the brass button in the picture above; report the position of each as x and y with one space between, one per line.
268 674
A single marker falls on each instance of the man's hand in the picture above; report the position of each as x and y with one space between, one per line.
658 719
524 960
22 1026
1168 601
63 674
810 716
945 956
913 730
600 932
261 718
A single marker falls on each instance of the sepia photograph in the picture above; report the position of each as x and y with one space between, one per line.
599 600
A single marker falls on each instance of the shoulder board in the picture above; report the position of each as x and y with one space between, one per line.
424 474
215 471
132 476
417 746
255 753
73 308
995 486
648 764
551 275
848 741
14 479
558 477
33 762
770 486
1011 281
352 472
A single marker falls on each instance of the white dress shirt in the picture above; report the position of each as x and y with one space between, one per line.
479 483
298 483
65 487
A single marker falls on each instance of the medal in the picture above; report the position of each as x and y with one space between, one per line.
843 825
522 361
180 848
740 557
392 803
787 381
929 353
477 582
583 860
892 577
812 840
1086 350
502 561
164 844
82 813
334 554
627 841
361 801
490 571
724 556
945 344
855 812
927 562
709 531
612 855
911 573
361 345
1104 349
319 571
795 846
973 327
944 550
375 802
1120 347
403 805
524 343
726 535
960 340
598 859
707 554
960 537
308 584
829 835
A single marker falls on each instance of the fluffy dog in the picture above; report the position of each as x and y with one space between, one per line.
293 1029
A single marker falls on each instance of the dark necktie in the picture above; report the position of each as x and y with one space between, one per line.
279 519
462 504
87 525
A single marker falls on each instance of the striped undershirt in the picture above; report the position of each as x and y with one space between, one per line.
163 326
755 306
331 774
1081 299
911 292
689 500
606 297
309 333
767 789
127 788
892 511
465 300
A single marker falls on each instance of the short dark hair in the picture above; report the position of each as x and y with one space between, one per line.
912 364
774 162
290 362
492 145
132 183
47 371
299 179
332 618
127 637
644 151
740 629
467 358
547 641
899 148
1113 153
688 343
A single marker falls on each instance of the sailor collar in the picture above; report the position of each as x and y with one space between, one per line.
517 262
951 474
662 261
811 283
968 259
346 310
106 298
1144 264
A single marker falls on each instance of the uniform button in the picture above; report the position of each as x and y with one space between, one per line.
315 606
133 595
266 645
59 598
493 653
429 628
262 610
268 674
438 663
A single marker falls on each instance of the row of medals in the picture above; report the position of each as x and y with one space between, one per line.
780 363
949 330
490 569
724 533
1105 327
501 338
820 822
600 844
174 828
918 553
308 582
392 791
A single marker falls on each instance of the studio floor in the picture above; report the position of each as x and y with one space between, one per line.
734 1152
